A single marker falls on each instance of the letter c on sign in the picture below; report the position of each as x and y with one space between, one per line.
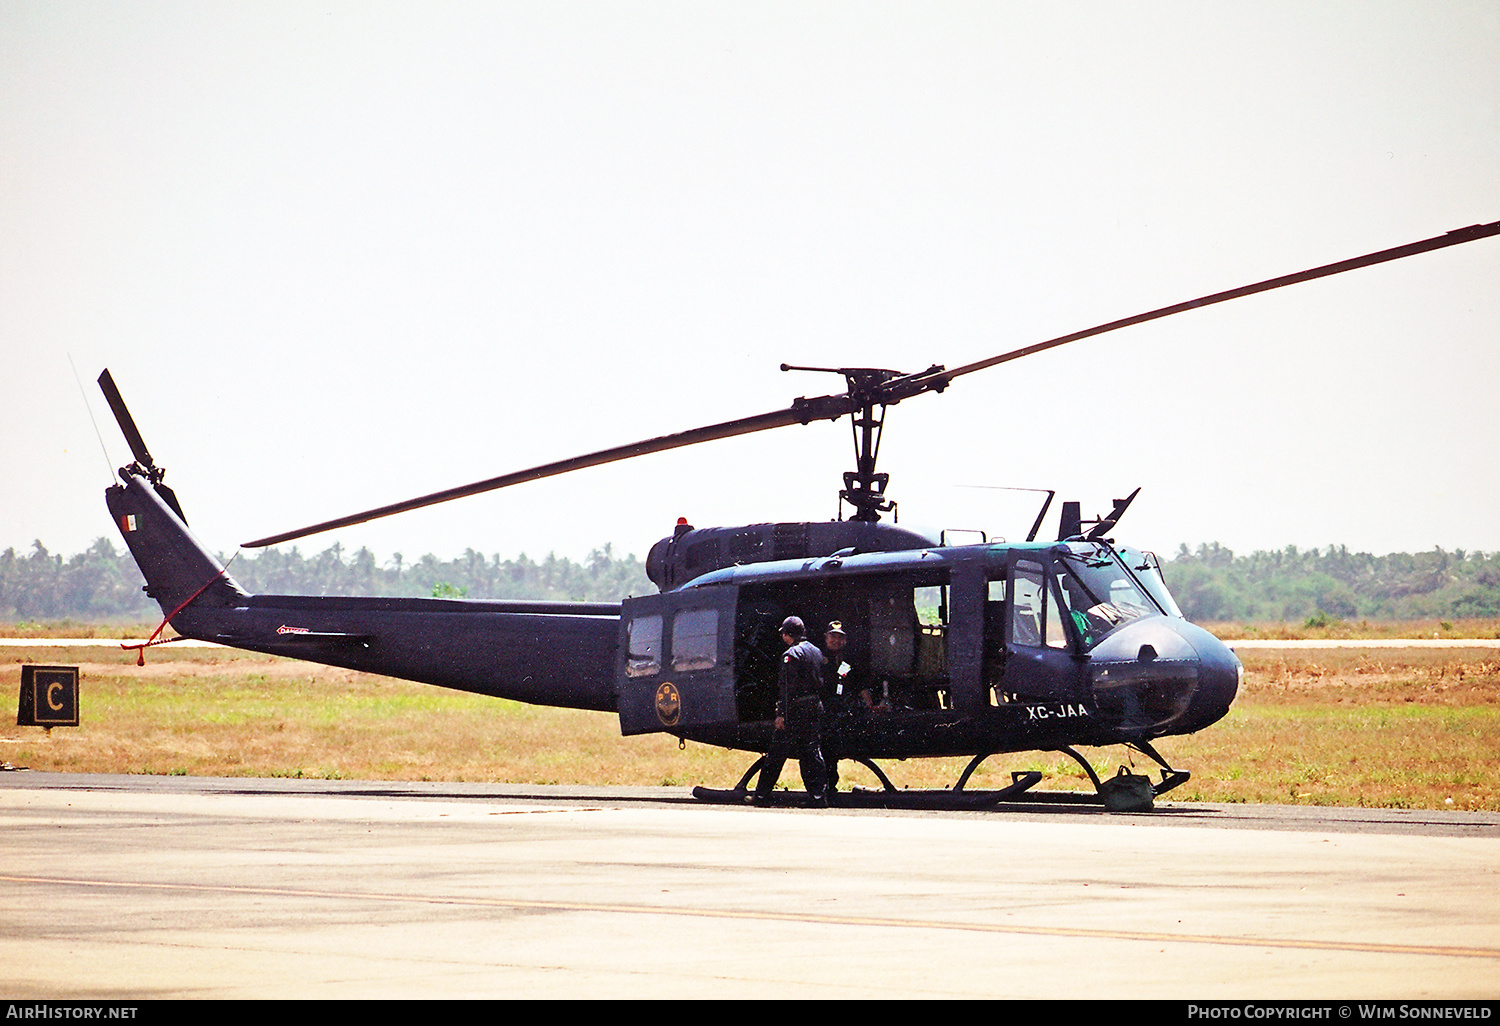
53 703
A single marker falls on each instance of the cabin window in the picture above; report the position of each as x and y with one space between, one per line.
931 605
644 657
928 603
892 634
994 620
908 630
994 633
695 640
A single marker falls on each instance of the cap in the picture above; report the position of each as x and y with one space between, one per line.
835 627
793 625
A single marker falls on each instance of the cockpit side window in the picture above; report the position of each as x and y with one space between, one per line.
1026 605
1058 609
1033 623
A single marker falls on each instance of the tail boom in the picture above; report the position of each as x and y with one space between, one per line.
557 654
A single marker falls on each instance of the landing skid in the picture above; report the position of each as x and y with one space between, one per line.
1124 793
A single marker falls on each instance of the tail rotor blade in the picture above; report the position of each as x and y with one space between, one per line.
137 444
126 421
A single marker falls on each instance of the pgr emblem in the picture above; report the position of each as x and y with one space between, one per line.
668 704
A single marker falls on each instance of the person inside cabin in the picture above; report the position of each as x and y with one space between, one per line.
839 680
841 700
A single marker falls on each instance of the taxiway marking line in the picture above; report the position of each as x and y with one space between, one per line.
1441 951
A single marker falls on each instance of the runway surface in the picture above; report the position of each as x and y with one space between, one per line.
175 887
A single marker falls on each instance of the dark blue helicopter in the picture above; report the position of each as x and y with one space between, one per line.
961 649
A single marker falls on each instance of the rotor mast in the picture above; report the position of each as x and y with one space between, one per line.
870 391
863 488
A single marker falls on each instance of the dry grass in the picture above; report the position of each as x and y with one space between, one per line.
75 629
1394 727
239 714
1362 630
1409 728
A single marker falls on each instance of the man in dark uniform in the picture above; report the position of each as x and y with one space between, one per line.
799 717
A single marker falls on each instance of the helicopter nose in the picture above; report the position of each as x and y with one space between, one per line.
1163 675
1220 674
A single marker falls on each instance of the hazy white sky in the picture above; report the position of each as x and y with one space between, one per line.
340 254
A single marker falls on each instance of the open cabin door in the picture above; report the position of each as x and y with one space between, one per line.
676 664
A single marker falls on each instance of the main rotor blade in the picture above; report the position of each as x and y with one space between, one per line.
803 411
936 381
831 407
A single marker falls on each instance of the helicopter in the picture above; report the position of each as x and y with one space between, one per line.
966 648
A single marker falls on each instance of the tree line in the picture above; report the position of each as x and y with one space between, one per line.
1210 582
103 584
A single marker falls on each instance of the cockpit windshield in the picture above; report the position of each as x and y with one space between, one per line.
1099 593
1146 569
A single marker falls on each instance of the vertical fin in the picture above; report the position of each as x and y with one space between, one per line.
177 568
